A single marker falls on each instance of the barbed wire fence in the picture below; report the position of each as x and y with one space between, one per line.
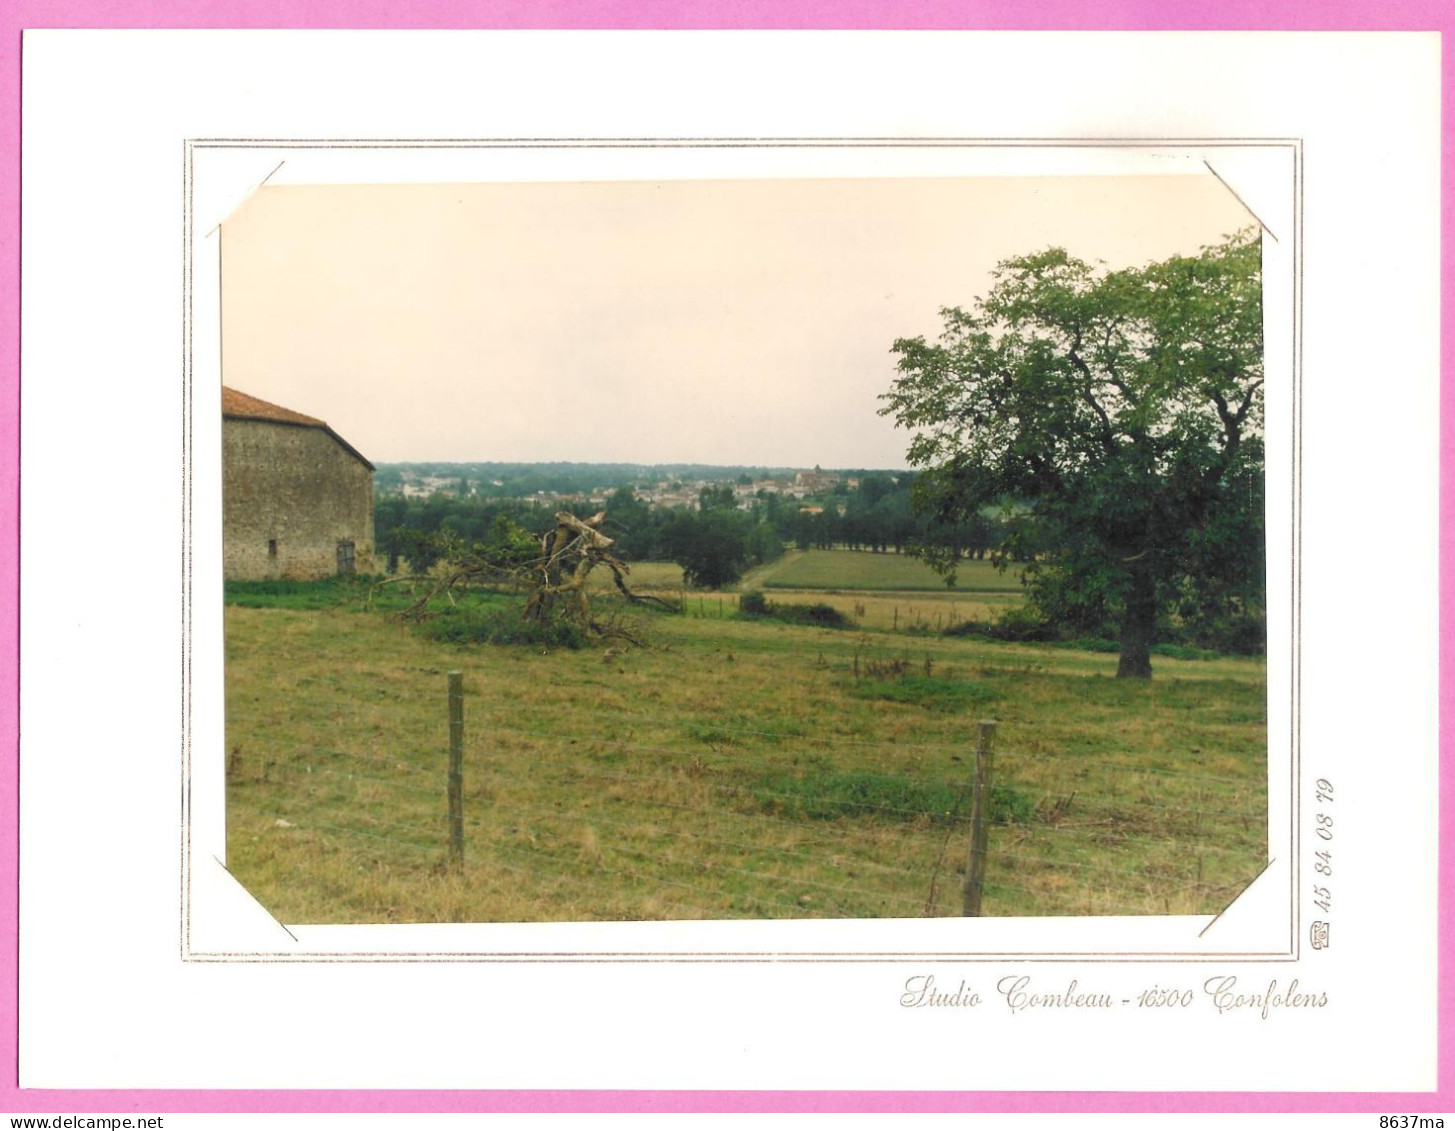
533 822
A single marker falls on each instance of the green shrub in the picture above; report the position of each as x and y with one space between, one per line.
820 614
753 604
497 625
1019 625
1023 623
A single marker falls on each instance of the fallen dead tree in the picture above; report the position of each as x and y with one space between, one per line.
553 571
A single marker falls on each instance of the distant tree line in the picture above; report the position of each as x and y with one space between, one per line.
714 543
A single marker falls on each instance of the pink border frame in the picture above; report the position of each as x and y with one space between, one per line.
1033 15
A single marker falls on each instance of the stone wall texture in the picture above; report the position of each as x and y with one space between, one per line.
292 495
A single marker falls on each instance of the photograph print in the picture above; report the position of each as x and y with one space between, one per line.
857 548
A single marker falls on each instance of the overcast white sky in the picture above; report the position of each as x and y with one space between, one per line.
726 322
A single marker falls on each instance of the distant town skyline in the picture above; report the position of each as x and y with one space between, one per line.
667 489
731 323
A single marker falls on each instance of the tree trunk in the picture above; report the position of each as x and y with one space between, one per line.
1138 623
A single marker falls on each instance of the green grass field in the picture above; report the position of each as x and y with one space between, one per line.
861 569
732 769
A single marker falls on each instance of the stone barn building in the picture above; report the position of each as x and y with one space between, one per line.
297 498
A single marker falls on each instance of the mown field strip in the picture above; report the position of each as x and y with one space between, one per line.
866 570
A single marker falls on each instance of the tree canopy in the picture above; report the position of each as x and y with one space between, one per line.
711 547
1124 411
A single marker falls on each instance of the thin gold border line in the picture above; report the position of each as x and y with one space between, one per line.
766 958
1296 688
186 652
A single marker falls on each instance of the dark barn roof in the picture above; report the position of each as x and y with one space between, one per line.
240 406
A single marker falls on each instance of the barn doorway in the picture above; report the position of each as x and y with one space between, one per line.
345 557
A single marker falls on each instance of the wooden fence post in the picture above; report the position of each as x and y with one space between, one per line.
457 770
979 820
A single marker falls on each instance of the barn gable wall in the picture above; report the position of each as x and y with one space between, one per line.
298 488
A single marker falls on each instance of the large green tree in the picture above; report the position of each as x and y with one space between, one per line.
1125 409
711 547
